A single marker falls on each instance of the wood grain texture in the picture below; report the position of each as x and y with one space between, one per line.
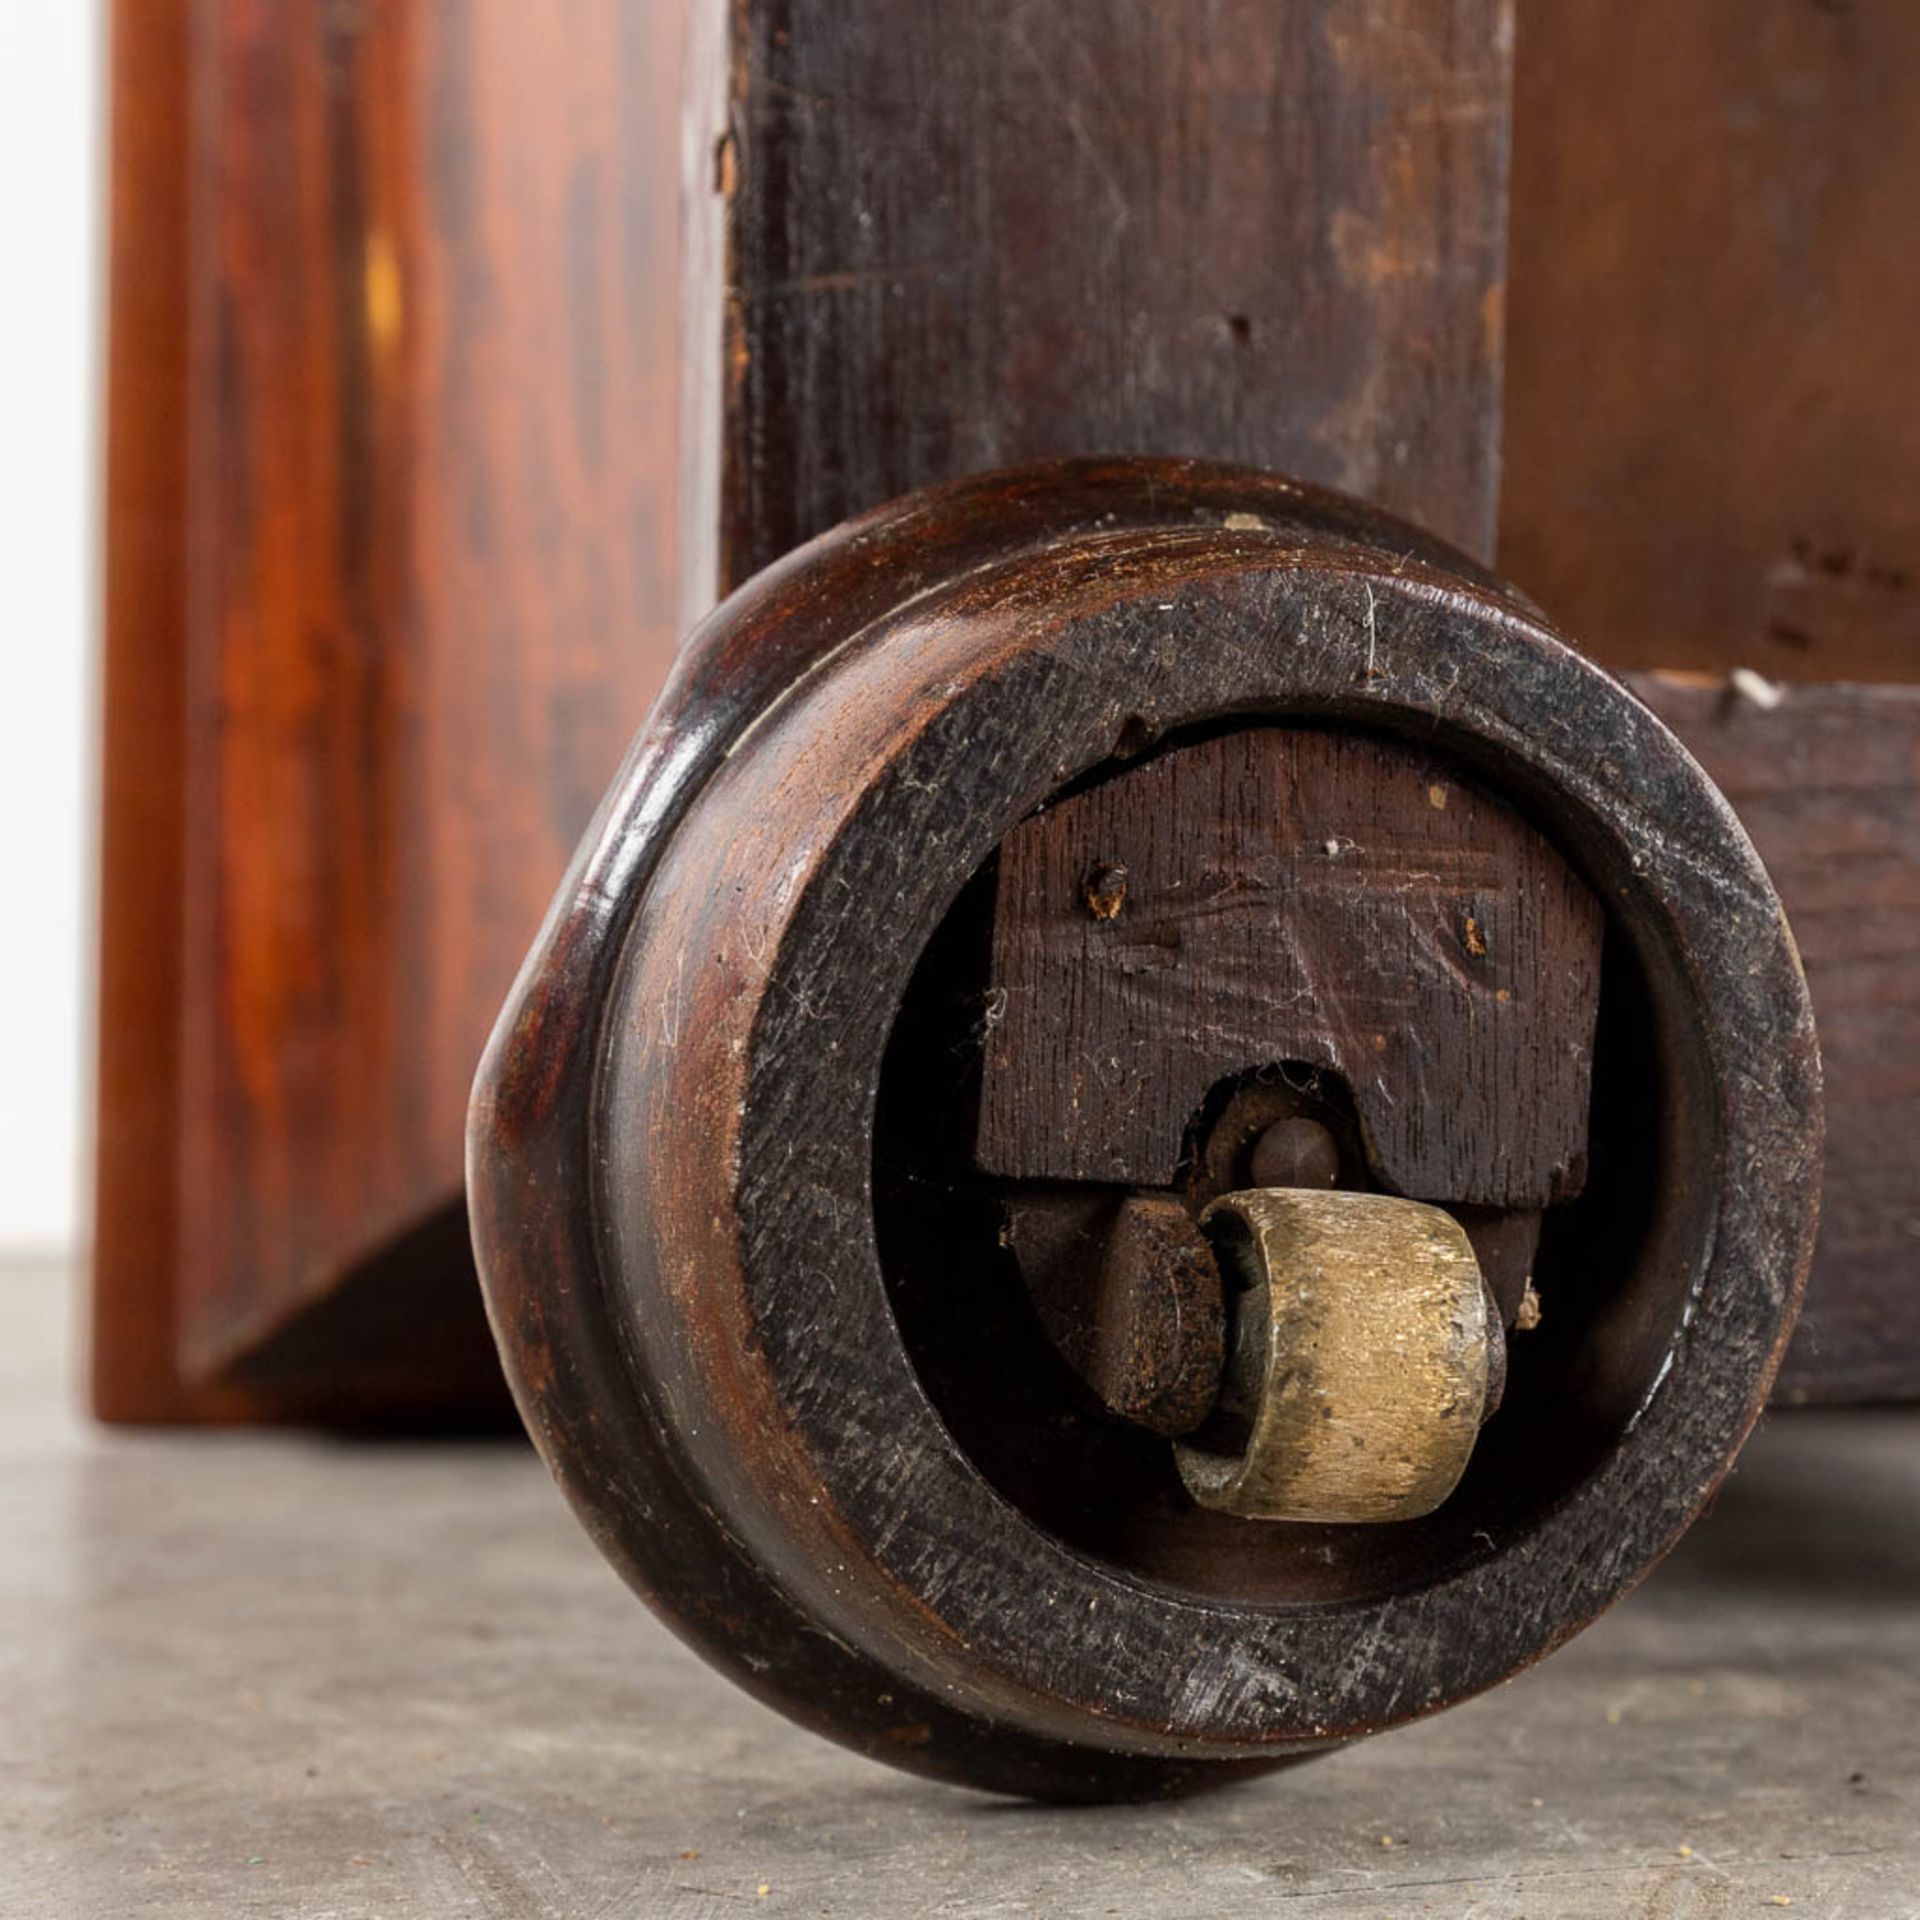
1828 785
932 246
134 1373
1294 897
1712 444
420 418
1713 401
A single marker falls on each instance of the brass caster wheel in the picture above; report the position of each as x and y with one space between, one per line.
1153 1131
1366 1349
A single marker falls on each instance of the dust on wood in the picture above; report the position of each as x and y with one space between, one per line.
1294 896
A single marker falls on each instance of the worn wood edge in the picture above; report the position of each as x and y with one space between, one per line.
1823 737
710 320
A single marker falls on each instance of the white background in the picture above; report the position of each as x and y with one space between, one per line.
51 248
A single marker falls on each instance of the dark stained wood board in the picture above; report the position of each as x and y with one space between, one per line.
1713 400
1711 451
1828 784
1709 439
1285 895
927 242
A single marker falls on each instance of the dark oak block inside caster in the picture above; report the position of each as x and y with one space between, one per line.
746 1235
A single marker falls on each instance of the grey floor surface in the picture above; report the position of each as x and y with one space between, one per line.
248 1675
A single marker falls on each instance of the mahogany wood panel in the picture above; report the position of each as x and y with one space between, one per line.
391 522
143 742
1828 785
928 242
1293 896
1713 399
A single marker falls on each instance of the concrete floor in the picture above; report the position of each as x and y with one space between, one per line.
285 1675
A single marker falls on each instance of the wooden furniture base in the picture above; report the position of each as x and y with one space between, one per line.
443 397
